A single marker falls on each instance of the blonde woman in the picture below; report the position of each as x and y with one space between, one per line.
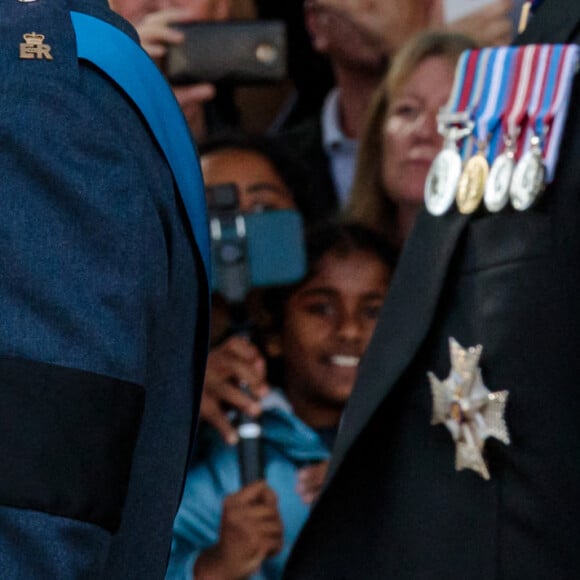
400 138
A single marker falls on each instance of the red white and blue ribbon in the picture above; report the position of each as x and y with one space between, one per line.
551 124
495 95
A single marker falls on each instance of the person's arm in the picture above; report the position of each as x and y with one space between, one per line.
251 530
233 362
214 530
78 287
157 32
197 523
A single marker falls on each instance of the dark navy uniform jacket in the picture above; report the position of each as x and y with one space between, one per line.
394 506
103 314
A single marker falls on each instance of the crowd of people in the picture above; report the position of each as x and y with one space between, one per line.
345 142
356 152
350 150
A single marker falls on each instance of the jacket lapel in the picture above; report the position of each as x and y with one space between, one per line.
404 322
557 21
421 273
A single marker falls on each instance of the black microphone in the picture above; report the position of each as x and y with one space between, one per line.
249 445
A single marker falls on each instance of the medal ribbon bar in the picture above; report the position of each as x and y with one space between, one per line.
453 124
555 120
517 99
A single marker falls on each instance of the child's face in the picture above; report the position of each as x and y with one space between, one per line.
329 321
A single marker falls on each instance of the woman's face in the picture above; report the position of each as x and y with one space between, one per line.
260 187
328 323
409 133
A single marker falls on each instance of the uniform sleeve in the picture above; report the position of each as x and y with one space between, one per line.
82 263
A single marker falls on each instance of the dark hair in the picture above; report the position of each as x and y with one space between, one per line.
290 168
343 238
332 236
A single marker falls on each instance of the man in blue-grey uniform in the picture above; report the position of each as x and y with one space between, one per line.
103 302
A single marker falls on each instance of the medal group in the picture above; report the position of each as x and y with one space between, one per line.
502 128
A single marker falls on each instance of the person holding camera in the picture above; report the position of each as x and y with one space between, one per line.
266 178
155 25
316 331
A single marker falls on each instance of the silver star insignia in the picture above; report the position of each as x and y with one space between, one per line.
468 409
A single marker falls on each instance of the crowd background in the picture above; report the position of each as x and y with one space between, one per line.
349 135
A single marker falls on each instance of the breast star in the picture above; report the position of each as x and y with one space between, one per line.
468 409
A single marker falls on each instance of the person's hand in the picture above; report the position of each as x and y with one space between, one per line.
233 362
251 531
156 32
489 26
191 99
310 481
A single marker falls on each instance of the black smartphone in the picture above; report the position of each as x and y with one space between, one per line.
239 52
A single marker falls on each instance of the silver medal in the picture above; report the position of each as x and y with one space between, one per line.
497 189
442 181
445 171
528 178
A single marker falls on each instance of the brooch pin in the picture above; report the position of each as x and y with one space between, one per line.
468 409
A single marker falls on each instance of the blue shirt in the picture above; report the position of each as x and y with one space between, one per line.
340 149
288 445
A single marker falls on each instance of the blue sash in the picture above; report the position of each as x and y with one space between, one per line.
127 64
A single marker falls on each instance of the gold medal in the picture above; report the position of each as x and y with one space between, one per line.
472 184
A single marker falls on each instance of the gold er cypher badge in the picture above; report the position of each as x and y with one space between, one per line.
33 47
